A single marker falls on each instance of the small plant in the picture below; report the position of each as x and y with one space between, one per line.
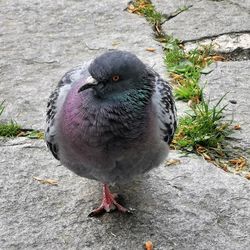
186 68
151 15
174 52
204 126
188 90
8 129
12 129
147 9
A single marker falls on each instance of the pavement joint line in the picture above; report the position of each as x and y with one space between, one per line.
174 14
242 32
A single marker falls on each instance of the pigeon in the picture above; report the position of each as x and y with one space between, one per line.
111 119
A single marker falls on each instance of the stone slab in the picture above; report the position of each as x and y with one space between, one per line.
232 78
193 205
41 40
206 18
237 43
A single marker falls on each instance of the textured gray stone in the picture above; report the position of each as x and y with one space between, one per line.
193 205
205 18
168 7
232 78
41 40
225 43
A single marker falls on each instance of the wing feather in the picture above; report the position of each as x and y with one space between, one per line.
166 109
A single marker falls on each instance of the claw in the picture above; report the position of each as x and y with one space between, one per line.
108 204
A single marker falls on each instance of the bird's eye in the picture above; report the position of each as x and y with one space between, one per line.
115 78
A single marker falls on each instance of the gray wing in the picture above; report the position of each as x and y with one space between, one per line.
166 109
50 120
56 101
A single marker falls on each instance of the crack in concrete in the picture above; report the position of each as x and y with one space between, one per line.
14 144
238 54
175 13
216 36
34 61
234 46
91 48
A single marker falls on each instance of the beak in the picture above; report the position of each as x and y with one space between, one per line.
90 82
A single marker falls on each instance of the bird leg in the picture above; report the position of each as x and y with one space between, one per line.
108 203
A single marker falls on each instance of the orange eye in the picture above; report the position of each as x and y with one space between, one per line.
115 78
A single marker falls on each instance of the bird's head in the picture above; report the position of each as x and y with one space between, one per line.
115 72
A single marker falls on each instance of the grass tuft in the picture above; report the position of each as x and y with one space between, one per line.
188 90
202 127
185 68
10 129
146 8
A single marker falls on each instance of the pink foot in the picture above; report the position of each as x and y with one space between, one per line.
108 203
